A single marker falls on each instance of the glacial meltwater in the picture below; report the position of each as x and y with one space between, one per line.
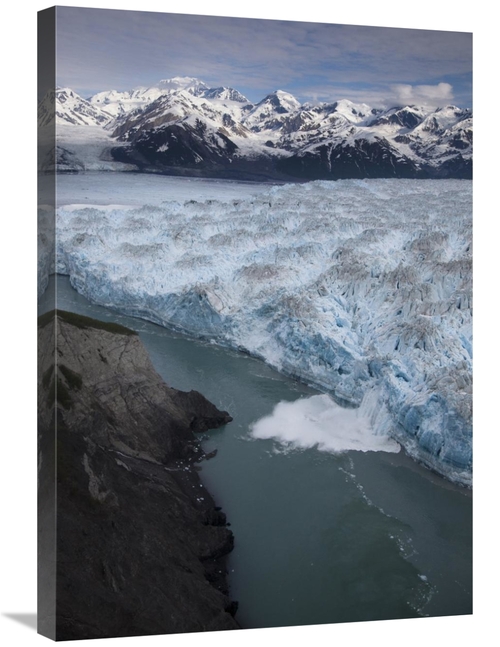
324 532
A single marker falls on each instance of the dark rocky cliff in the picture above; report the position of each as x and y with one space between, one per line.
140 544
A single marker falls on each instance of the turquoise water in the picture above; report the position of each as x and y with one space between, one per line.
319 537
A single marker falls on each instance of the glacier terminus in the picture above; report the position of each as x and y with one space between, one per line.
361 288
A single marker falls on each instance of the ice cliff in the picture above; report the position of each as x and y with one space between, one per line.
359 287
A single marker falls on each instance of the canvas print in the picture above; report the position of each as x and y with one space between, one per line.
255 323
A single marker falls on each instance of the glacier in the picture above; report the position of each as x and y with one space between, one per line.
361 288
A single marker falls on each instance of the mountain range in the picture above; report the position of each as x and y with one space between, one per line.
181 126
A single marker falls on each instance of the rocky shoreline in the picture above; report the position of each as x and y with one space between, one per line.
140 543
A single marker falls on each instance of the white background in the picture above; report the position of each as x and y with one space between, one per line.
18 314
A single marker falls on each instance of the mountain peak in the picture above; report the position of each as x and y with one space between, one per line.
282 101
69 107
182 83
355 112
227 94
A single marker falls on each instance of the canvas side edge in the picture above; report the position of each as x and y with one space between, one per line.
46 373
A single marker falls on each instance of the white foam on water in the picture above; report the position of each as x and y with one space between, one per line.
319 422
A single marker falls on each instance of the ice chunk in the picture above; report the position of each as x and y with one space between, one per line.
319 422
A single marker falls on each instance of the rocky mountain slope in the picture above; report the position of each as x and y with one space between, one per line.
140 544
64 105
182 126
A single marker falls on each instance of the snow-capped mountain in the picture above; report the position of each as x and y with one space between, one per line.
181 107
67 106
119 103
192 85
225 94
181 125
400 142
270 113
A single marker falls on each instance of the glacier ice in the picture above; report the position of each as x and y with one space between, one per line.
359 287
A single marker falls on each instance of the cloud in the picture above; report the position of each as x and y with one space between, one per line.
380 95
427 95
102 49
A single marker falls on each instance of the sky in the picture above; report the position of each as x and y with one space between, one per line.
101 49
